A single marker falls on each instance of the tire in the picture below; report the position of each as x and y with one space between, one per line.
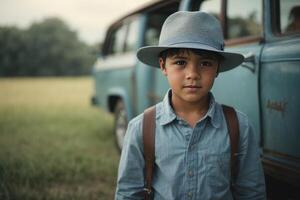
120 124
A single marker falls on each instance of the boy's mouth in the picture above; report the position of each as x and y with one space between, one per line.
191 86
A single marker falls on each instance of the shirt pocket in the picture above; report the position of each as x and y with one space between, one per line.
218 171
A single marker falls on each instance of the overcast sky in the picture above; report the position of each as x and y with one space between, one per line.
89 18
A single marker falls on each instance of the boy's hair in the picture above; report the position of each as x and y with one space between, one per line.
179 51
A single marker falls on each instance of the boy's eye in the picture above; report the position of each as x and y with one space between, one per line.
180 62
206 64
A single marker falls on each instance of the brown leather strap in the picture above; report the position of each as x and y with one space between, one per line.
234 135
149 148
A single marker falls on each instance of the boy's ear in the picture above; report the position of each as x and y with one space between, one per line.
162 66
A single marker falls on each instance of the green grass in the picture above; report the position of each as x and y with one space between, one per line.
53 143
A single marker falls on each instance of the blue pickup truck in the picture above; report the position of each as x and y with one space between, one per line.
266 86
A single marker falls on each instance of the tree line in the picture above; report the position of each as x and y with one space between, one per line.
46 48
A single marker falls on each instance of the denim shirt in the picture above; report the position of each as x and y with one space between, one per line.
191 163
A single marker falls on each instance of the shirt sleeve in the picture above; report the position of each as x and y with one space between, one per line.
130 182
250 183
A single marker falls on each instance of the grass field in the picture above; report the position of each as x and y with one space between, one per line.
53 143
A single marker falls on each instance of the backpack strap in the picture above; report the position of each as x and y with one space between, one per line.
149 149
234 135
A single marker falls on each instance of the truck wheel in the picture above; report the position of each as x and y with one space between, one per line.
120 123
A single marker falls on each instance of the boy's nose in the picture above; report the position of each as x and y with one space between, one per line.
192 72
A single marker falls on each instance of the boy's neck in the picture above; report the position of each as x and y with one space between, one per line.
191 112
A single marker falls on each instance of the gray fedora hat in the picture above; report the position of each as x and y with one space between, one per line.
192 30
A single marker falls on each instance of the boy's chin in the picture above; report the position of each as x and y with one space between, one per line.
195 98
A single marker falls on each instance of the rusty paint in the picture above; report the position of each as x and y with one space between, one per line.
279 106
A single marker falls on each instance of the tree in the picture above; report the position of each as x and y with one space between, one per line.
12 42
56 50
45 48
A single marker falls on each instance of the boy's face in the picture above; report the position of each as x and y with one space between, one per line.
190 76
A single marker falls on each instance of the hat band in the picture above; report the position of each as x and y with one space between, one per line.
195 45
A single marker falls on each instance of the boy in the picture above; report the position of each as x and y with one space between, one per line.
192 147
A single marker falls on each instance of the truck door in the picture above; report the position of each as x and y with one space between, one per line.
280 92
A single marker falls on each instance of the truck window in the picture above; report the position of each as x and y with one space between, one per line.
289 16
155 21
244 18
132 35
117 40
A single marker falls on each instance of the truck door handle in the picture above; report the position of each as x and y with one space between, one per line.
249 62
250 57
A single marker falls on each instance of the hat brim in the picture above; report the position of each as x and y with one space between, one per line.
149 55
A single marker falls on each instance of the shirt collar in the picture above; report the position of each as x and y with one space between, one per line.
167 114
213 112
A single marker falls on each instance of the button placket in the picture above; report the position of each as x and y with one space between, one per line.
197 131
191 167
